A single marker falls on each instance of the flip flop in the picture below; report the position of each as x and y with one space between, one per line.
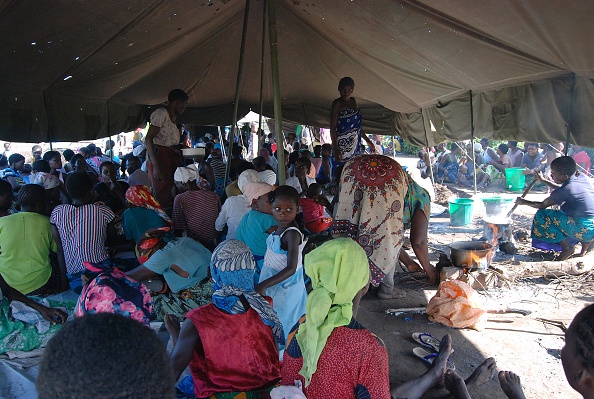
427 340
429 357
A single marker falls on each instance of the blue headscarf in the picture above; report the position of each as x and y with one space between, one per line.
232 269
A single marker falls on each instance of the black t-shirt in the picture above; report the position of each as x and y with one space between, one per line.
576 197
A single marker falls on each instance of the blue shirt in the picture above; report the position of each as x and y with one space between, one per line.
178 257
576 197
252 231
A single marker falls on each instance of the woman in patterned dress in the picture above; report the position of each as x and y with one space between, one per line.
370 210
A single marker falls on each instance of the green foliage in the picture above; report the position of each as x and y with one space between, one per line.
410 149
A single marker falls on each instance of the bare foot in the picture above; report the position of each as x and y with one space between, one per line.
173 326
567 251
482 374
510 384
386 292
586 247
455 384
439 365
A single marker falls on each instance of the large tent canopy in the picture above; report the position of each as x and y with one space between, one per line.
79 69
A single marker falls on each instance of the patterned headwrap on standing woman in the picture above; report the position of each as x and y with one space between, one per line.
338 270
232 269
141 196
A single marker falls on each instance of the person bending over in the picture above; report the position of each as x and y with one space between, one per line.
574 222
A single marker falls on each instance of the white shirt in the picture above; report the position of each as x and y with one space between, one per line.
168 133
231 214
294 182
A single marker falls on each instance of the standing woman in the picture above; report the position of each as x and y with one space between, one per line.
161 139
345 124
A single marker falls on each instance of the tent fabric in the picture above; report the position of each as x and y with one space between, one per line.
78 70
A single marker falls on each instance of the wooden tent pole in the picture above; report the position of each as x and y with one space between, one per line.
278 117
263 50
49 134
428 150
568 125
472 138
237 88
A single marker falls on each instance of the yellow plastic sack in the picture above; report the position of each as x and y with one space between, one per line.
456 304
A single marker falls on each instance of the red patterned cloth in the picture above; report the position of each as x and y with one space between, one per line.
353 364
141 196
370 210
237 352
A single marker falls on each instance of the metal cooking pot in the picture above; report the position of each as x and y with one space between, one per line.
471 254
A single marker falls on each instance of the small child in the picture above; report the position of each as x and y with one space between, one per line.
313 209
257 224
43 177
282 273
326 168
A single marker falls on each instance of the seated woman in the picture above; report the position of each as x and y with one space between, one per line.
7 206
224 362
574 192
417 210
144 213
447 171
328 351
495 171
13 174
111 191
181 263
80 165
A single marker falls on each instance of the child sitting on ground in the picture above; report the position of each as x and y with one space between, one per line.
80 229
53 186
313 209
257 224
6 199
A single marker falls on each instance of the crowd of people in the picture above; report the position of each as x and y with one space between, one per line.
249 308
455 164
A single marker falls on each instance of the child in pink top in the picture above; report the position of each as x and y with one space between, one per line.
313 209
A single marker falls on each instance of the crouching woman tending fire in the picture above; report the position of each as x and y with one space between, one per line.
574 223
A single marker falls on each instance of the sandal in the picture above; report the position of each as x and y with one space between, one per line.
427 340
430 357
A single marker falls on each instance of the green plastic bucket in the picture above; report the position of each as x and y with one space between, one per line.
514 179
461 211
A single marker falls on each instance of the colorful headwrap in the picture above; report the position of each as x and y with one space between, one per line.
152 241
112 291
338 270
47 180
232 269
255 190
247 176
143 197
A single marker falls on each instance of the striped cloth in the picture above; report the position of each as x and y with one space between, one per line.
196 211
83 231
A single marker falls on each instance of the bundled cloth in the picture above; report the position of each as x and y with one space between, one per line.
456 304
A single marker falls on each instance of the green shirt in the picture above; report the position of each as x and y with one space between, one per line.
25 243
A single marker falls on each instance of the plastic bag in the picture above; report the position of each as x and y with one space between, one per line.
456 304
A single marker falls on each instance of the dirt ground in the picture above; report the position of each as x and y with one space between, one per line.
523 344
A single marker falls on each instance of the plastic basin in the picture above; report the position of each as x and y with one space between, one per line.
514 179
495 206
461 211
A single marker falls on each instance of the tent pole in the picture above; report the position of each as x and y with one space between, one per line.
472 138
237 87
568 133
278 117
260 128
49 134
427 144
